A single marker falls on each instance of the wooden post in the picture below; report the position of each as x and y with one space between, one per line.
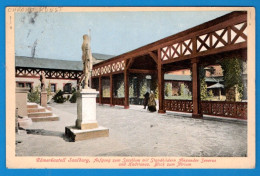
126 75
111 90
160 83
100 90
195 89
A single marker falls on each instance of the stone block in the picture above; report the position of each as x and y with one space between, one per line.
86 126
76 134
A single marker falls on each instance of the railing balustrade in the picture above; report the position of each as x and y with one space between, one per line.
215 108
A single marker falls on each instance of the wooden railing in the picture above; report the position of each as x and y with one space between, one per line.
178 105
225 109
116 101
119 101
105 100
215 108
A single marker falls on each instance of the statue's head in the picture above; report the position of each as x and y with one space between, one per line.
85 37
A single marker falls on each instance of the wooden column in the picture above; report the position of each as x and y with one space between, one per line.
111 90
160 74
100 90
195 89
78 86
126 85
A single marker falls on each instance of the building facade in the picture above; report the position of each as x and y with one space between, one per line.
60 74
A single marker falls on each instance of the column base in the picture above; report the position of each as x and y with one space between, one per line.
161 111
43 100
197 116
112 105
76 134
126 107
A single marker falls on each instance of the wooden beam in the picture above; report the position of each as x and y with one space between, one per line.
100 90
228 48
142 71
154 57
111 90
129 64
126 85
160 84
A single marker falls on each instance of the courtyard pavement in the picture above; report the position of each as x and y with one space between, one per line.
136 132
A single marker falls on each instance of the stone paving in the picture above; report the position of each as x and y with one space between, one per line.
135 132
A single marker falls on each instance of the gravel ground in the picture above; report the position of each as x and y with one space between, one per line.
135 132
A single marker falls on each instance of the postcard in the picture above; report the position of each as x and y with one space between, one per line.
130 87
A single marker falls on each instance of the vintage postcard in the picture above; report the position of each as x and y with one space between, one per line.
130 87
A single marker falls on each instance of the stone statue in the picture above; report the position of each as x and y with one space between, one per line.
86 59
43 80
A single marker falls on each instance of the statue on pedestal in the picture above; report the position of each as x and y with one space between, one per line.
43 80
43 100
87 61
86 125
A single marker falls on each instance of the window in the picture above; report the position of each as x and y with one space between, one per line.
53 87
67 88
29 85
25 84
20 84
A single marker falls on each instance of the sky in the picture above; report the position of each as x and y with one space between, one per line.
59 35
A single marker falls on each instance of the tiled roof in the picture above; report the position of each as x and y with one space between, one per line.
23 61
29 62
171 77
102 56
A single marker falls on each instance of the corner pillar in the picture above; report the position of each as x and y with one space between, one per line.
100 90
160 74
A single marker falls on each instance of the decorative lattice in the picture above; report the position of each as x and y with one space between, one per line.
110 68
176 50
227 36
54 74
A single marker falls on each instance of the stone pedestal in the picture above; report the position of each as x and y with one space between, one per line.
21 101
22 119
44 99
86 126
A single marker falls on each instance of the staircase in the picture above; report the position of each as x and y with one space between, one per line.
40 114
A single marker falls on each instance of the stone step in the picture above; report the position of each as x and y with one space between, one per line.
49 108
45 119
32 110
39 114
32 106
